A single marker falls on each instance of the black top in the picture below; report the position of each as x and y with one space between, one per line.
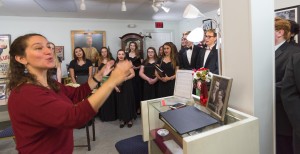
81 70
136 61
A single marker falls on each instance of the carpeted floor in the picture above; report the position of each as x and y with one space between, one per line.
107 134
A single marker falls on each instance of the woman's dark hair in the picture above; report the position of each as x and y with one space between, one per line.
83 53
155 55
16 72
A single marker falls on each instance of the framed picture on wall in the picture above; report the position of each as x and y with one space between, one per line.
3 94
290 13
90 41
207 24
218 97
4 54
59 50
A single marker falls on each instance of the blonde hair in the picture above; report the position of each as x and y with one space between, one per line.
283 24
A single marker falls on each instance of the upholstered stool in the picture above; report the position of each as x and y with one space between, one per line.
132 145
7 133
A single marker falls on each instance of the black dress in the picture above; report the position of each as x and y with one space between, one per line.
149 91
166 88
107 112
126 108
81 71
137 88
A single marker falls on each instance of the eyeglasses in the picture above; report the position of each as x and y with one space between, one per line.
207 36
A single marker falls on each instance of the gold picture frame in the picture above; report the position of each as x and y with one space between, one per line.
82 38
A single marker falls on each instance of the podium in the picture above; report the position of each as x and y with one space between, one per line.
239 133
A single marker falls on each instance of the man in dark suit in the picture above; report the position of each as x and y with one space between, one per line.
283 51
208 57
290 95
188 54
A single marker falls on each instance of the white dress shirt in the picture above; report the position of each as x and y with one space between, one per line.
189 55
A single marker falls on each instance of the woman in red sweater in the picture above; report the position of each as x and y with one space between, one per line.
44 112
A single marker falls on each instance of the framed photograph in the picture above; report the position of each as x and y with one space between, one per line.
90 41
290 13
219 95
4 54
59 50
3 94
207 24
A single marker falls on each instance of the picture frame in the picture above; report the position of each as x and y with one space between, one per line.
290 13
207 24
59 50
90 41
3 92
218 96
5 41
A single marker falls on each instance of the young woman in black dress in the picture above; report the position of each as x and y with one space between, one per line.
135 57
169 63
108 110
80 68
147 73
126 108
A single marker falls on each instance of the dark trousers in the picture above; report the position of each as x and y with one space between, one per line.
284 144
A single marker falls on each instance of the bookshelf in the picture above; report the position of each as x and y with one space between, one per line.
239 133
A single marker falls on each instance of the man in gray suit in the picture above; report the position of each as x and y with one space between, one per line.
290 95
283 51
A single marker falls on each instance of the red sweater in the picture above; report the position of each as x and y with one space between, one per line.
43 120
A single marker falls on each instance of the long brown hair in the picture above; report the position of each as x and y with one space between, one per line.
16 72
173 55
136 51
101 57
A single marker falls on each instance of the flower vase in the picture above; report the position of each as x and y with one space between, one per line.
203 94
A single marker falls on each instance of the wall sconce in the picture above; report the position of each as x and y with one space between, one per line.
146 35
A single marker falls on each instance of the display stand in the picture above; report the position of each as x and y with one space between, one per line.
239 133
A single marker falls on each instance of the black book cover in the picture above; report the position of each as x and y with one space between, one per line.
159 70
187 119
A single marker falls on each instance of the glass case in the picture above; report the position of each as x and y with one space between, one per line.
237 134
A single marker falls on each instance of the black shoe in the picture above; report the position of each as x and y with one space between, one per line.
122 125
129 125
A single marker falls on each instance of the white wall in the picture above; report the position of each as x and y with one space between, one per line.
58 30
248 57
285 3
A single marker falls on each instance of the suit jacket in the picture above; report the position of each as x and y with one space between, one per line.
212 61
183 59
282 54
290 95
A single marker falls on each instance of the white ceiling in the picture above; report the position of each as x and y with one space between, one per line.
102 9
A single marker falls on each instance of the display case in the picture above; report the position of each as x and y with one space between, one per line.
239 133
